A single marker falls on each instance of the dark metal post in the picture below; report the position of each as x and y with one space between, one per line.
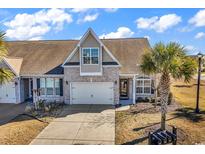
174 131
198 84
150 138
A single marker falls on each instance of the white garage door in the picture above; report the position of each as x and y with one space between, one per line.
7 93
92 93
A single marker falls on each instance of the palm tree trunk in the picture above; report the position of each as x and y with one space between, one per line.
164 93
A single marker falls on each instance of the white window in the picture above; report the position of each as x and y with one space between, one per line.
49 86
143 86
57 86
90 55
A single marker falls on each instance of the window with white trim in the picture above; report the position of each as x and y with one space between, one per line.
90 55
49 86
143 85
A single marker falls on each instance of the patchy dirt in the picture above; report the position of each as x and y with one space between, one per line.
23 129
133 126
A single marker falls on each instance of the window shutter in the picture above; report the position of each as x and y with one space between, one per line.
38 83
61 87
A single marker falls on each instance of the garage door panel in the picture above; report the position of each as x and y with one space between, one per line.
7 93
92 93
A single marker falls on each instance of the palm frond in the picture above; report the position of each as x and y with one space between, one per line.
3 48
5 75
148 65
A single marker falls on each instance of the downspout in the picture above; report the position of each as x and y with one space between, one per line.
134 90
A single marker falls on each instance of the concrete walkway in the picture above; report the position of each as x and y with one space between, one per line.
10 111
80 124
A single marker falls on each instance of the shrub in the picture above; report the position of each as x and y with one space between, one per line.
41 104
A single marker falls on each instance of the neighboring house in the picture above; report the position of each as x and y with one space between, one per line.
85 71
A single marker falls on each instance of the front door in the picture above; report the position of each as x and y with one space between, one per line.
124 88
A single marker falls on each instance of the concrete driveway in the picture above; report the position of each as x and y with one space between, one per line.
9 111
80 124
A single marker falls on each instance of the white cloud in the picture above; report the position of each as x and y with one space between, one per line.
122 32
190 47
77 38
159 24
199 19
199 35
185 29
191 50
111 10
147 37
35 38
88 18
27 26
79 10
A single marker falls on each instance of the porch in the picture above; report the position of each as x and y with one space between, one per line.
133 87
48 88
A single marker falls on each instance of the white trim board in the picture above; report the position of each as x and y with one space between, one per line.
10 67
98 40
36 76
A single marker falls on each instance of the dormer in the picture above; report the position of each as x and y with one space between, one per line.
90 55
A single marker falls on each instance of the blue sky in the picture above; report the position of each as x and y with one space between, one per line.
185 26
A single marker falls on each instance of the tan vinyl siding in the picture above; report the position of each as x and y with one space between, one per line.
106 57
91 42
75 57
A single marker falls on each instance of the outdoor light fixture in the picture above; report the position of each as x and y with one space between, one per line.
16 83
199 55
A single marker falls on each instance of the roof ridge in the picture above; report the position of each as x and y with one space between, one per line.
76 39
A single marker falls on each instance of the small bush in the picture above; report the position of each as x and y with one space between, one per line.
41 104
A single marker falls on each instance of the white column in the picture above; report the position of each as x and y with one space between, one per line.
134 89
29 87
34 88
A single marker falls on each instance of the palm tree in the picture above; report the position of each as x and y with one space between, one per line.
169 61
5 74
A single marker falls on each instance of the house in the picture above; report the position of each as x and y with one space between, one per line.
85 71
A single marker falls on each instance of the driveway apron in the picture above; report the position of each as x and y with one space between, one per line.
80 124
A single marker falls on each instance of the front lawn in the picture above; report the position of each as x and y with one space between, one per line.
133 125
185 94
23 129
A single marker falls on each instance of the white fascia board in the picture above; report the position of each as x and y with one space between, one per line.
70 56
42 75
98 40
11 67
111 65
71 66
112 56
127 74
101 43
91 74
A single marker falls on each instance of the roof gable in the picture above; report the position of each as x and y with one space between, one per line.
90 31
14 63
